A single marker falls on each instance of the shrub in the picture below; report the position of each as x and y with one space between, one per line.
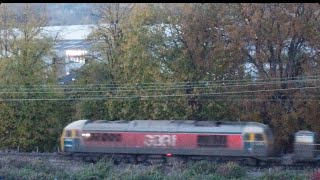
315 175
100 170
137 172
202 167
231 170
24 174
206 177
283 175
147 176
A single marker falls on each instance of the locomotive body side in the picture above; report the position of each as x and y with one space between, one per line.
162 137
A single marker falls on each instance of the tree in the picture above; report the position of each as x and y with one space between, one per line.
104 64
189 45
25 79
108 35
24 45
279 43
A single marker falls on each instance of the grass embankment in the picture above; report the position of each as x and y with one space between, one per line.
21 168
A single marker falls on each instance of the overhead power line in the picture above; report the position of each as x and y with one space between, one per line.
202 89
105 97
179 83
40 89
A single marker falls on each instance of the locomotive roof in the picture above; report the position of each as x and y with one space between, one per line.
171 126
76 124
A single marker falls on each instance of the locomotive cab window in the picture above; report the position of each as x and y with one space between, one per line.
76 133
212 141
68 133
246 137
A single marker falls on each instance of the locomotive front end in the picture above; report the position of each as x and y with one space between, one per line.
258 140
71 136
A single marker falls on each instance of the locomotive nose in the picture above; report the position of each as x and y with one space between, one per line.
70 140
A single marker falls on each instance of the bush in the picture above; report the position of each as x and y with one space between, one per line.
283 175
206 177
203 167
139 172
24 174
212 170
154 175
231 170
315 175
22 168
14 162
100 170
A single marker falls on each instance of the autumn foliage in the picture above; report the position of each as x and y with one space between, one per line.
236 62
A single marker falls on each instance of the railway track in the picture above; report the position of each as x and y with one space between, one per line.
56 156
35 154
54 159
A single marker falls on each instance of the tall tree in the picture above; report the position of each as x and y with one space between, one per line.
278 42
108 34
25 45
104 63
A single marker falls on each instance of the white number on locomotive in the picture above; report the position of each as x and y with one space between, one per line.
160 140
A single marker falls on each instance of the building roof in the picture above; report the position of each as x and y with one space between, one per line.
72 37
64 45
72 32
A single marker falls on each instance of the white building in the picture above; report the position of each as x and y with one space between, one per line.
71 47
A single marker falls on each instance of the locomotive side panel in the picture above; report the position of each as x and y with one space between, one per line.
235 142
164 143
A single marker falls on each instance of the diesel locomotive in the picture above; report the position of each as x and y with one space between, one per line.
140 140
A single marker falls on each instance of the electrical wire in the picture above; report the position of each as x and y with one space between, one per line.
282 80
127 89
162 95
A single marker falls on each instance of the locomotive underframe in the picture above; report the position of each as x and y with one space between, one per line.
171 159
174 151
156 158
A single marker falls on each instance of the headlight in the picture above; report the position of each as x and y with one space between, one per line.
86 134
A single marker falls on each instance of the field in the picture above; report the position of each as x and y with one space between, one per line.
42 168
